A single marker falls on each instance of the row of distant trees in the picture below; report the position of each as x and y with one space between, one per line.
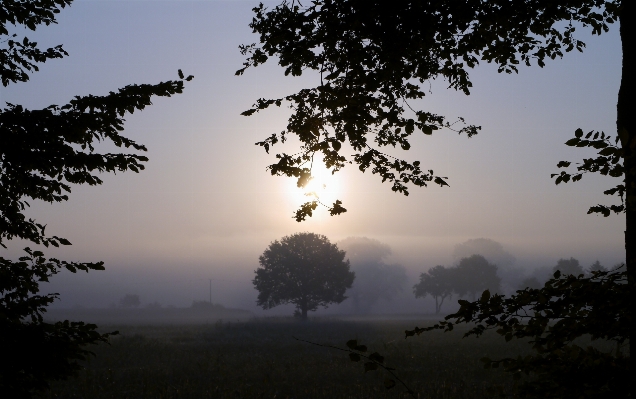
473 275
470 277
307 270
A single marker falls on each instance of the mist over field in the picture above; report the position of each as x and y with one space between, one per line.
173 283
205 208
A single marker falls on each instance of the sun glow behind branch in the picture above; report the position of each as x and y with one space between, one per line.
323 187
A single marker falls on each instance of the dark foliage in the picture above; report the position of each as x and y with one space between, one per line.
558 319
438 282
35 352
304 269
568 266
43 152
374 58
474 275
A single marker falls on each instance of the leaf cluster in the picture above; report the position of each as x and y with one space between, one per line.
556 319
22 55
374 58
608 162
39 351
44 151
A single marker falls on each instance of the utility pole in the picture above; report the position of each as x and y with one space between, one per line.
210 291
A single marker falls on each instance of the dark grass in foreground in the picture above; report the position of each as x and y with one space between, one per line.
261 359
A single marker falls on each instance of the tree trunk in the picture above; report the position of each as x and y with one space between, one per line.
303 309
436 306
627 133
303 316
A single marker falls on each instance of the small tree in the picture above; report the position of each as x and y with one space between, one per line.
304 269
596 267
438 282
130 301
568 266
475 275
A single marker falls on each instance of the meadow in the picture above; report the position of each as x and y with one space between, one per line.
261 359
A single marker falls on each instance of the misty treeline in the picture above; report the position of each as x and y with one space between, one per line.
375 279
475 274
470 277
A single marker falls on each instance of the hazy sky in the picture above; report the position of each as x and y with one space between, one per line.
206 208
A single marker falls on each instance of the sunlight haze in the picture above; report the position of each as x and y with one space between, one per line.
205 208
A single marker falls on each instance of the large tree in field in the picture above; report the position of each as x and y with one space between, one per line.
304 269
374 57
42 153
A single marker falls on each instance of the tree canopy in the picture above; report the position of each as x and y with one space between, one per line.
304 269
568 266
373 59
438 282
43 153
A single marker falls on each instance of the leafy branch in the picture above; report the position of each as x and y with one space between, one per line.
608 162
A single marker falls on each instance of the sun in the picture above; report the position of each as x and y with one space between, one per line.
323 187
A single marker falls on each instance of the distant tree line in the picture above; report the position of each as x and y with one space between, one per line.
474 274
470 277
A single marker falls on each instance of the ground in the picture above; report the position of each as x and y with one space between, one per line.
261 359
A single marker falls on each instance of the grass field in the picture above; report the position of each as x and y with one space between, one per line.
261 359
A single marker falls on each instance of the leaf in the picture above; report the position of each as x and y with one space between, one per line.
441 181
572 142
578 133
375 356
180 74
370 366
352 344
389 383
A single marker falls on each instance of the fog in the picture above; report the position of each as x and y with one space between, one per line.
178 284
205 208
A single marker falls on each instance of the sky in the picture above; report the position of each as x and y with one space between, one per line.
206 208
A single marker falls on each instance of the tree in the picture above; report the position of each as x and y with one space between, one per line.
489 249
495 253
475 274
130 301
43 153
375 279
438 282
373 57
304 269
596 267
554 318
568 266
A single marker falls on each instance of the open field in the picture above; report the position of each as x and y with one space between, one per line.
261 359
161 316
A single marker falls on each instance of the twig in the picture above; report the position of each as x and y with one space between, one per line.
388 369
